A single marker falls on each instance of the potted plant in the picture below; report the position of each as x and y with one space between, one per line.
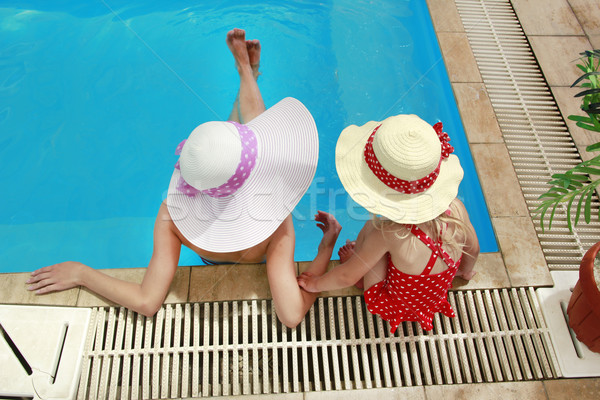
575 189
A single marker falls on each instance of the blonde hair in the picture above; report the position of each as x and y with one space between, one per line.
453 230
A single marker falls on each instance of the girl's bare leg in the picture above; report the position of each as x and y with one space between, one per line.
346 252
248 103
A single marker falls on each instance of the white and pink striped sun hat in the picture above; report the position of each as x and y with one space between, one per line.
401 168
234 184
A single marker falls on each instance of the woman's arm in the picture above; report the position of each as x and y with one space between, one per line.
145 298
291 302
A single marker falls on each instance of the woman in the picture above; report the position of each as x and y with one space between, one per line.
229 200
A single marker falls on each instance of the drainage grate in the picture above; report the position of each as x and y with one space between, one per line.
239 347
534 131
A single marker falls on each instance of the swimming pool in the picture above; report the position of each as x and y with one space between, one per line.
95 97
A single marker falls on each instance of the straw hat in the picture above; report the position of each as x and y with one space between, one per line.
234 184
400 168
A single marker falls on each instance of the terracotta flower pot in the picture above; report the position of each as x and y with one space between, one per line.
584 305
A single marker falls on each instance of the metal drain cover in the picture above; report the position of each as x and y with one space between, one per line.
574 358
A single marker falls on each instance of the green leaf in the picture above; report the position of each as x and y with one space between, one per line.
588 207
586 92
594 147
549 195
587 170
585 76
569 222
552 216
588 127
582 67
568 176
543 214
580 118
579 207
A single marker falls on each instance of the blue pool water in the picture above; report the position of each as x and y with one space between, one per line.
95 96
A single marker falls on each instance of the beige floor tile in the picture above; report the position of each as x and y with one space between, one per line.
13 290
484 391
491 273
575 389
349 291
229 282
557 55
498 180
444 16
555 18
595 41
178 292
522 253
588 14
586 155
459 59
413 393
477 114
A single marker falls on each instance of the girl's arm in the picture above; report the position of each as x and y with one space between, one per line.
347 274
145 298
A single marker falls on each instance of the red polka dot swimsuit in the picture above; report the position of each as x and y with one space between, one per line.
403 297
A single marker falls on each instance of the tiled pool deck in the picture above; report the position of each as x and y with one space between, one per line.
557 31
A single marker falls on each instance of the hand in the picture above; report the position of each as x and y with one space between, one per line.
62 276
330 226
308 282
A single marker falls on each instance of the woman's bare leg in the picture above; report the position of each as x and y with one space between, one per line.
248 103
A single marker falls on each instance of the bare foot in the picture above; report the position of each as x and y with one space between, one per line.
253 47
236 41
346 251
467 276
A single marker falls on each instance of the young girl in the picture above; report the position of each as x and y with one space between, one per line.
420 238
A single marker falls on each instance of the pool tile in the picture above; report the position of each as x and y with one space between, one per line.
416 393
504 391
444 16
498 180
557 55
13 290
477 114
229 282
491 273
459 59
178 291
349 291
555 17
522 253
580 389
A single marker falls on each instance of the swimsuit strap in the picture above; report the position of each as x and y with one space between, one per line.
436 249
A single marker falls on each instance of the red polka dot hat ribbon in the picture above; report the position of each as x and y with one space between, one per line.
401 185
